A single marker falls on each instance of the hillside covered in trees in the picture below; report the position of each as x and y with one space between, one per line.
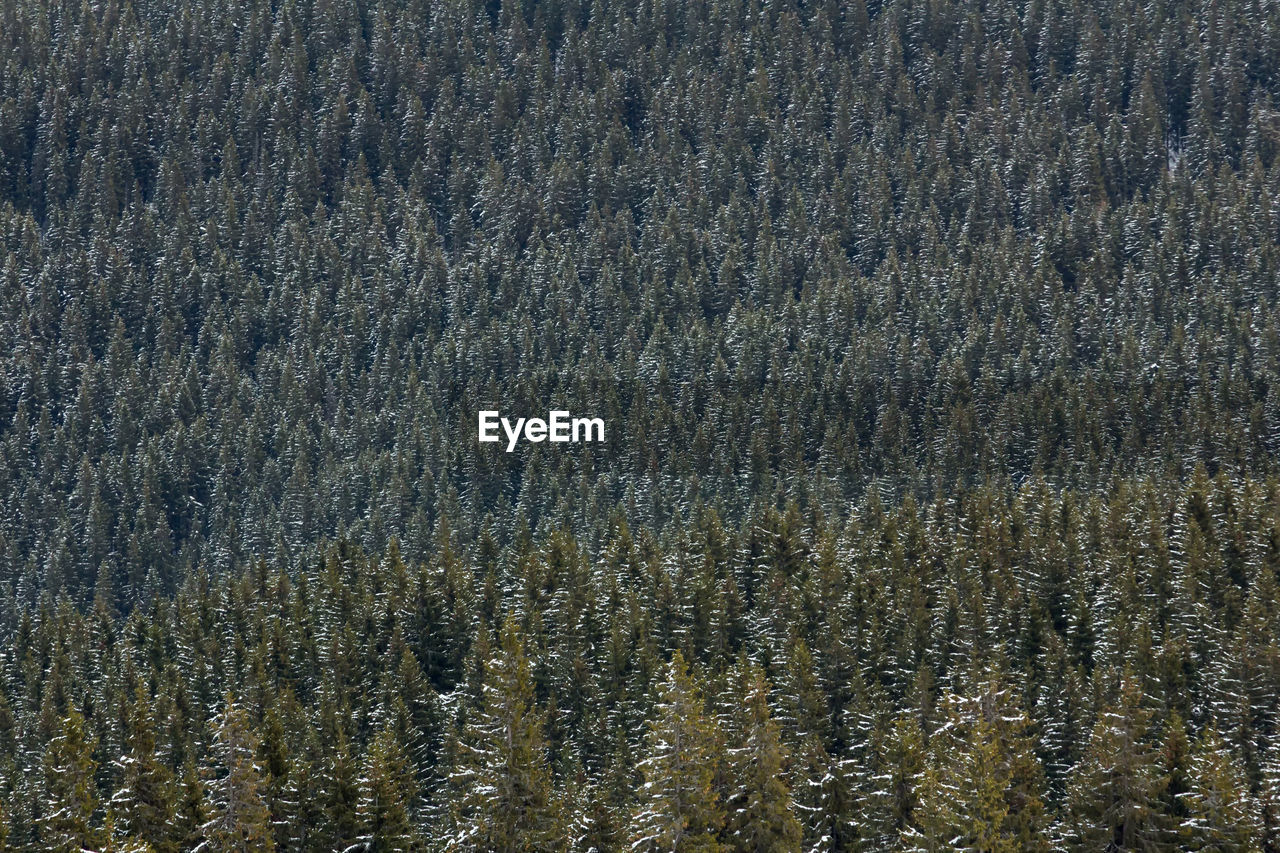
938 348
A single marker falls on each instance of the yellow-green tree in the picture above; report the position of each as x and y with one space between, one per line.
238 821
71 797
982 787
1112 793
143 804
760 813
506 803
1221 816
679 811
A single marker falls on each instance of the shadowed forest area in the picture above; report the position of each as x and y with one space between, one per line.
938 349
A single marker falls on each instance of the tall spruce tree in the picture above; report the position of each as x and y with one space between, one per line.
982 787
143 805
67 822
238 820
505 802
1111 793
1221 816
760 812
387 794
678 808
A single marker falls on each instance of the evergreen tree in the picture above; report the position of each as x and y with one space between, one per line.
678 808
1221 817
338 793
1269 801
982 788
189 815
386 797
889 778
926 337
1175 782
760 814
505 801
238 819
1111 794
143 805
71 798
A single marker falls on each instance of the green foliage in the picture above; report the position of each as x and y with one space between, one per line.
1112 792
143 805
760 813
1221 815
982 787
505 801
386 797
679 809
346 749
263 264
937 346
71 796
238 819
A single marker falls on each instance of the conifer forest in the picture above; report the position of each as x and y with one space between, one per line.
936 345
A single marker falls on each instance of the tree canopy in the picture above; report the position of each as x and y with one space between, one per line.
938 352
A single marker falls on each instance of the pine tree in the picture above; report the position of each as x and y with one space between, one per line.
505 799
600 818
1111 794
119 842
1175 770
386 797
142 806
817 781
982 788
593 819
301 819
1222 817
1269 800
71 797
189 813
339 795
238 820
888 778
678 809
759 808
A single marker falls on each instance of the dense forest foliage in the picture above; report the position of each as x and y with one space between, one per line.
938 345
